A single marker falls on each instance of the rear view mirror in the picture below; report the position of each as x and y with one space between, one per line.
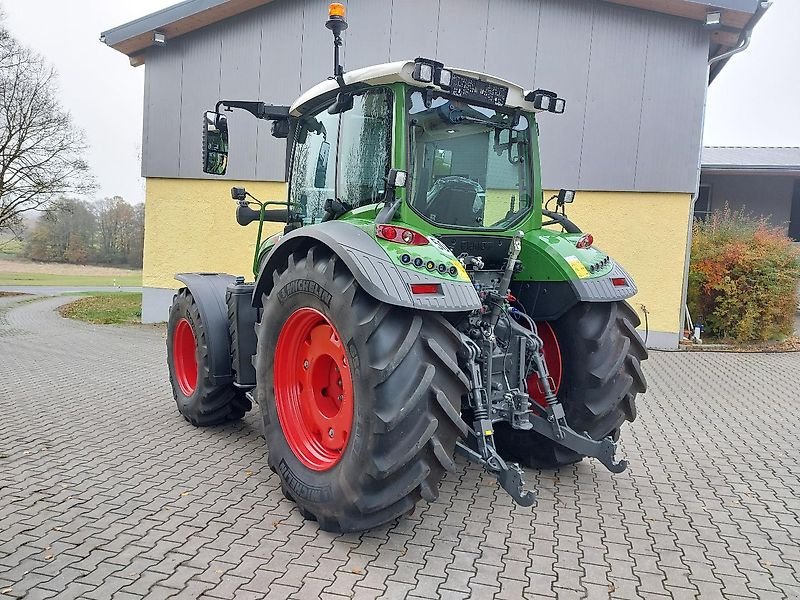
343 103
215 143
321 171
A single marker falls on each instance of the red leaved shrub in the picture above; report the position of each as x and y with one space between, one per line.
743 277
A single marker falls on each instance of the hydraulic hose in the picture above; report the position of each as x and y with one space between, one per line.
562 220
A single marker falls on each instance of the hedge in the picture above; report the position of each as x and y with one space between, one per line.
743 278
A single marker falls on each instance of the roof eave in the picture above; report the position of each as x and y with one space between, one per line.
135 37
789 170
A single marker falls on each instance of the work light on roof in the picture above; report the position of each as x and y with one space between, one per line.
546 100
443 78
423 72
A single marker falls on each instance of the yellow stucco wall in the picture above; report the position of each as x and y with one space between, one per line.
190 226
647 234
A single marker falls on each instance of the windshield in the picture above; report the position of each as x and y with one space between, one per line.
470 165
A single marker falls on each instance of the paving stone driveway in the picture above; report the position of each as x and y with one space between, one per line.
106 492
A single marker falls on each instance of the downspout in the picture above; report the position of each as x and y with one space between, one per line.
747 35
744 41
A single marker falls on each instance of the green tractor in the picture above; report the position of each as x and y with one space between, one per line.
416 305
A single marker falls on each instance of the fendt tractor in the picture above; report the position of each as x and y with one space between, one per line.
420 302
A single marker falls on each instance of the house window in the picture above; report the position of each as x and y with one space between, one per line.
702 206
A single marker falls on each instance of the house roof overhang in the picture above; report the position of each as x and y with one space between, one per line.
751 160
135 37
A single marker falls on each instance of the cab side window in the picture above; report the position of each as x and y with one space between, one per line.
361 139
365 148
313 178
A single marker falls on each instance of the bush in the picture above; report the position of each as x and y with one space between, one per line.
743 278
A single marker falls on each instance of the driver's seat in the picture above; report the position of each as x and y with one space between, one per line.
454 205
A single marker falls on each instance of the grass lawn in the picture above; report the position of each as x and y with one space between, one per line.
50 279
113 308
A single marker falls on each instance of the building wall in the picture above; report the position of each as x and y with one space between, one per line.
634 80
645 232
190 225
763 195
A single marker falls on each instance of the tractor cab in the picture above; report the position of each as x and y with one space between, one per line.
466 140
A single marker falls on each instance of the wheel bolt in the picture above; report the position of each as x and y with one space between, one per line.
341 397
331 433
305 364
339 383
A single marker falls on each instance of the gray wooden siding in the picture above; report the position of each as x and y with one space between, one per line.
634 81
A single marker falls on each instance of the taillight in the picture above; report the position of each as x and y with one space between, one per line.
400 235
426 288
619 282
585 241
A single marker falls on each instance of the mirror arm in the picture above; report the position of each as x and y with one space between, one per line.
258 109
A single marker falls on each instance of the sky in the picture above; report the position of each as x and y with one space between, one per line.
752 102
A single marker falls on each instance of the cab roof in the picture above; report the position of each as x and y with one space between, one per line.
402 71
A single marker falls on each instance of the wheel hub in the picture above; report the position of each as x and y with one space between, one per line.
313 389
184 355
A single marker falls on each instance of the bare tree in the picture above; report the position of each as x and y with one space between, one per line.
40 149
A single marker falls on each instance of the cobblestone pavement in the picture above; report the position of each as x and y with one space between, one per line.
106 492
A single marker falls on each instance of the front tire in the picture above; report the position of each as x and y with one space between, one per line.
199 400
332 357
601 356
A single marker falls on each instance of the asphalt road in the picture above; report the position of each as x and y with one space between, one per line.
56 290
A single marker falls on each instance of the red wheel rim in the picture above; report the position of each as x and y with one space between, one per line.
313 389
184 357
552 356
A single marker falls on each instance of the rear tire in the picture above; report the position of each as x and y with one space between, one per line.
405 398
199 401
601 355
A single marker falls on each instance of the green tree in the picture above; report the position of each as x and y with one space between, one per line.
114 223
77 251
67 221
136 244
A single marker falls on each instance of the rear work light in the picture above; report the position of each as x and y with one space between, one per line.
420 289
619 282
401 235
